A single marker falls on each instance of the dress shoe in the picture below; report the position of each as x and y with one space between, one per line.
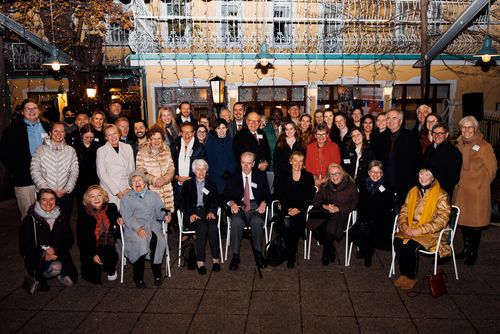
140 284
158 281
408 284
202 270
470 259
216 267
235 263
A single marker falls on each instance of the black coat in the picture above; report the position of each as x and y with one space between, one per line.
445 162
60 238
281 161
244 141
198 152
85 229
15 152
348 161
190 198
234 190
87 165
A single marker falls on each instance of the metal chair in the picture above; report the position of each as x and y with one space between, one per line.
123 260
452 227
353 216
228 233
182 232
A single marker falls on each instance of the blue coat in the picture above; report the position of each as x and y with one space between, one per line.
220 160
146 213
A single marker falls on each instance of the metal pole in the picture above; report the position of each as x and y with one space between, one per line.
425 71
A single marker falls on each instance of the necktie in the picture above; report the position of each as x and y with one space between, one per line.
238 127
246 195
255 135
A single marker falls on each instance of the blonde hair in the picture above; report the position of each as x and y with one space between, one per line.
86 195
161 123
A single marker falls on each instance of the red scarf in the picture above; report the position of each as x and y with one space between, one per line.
103 235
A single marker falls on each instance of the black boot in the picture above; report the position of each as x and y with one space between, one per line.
475 240
466 234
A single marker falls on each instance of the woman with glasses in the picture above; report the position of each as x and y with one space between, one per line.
473 194
335 199
202 134
425 134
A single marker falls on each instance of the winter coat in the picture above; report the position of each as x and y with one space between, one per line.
473 194
431 229
146 213
54 167
114 168
158 167
445 162
220 160
86 163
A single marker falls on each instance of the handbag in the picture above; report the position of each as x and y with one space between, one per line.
30 283
276 252
437 284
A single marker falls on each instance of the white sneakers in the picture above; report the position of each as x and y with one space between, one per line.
112 277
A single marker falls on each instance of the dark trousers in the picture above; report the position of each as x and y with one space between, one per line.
292 229
256 222
109 258
362 236
324 238
205 229
407 257
138 266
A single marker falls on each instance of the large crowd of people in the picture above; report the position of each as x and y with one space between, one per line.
319 168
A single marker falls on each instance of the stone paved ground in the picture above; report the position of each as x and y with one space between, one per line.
310 298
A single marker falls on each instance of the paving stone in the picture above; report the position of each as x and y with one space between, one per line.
225 302
487 326
277 279
108 322
162 323
185 279
367 279
76 299
328 324
378 304
425 306
319 280
125 300
273 323
326 303
21 300
229 280
53 322
182 301
14 319
461 326
387 325
275 302
213 323
484 307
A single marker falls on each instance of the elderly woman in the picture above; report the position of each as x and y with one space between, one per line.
336 198
115 161
155 160
425 213
374 224
45 241
142 213
199 205
295 191
166 121
97 230
356 156
217 147
473 194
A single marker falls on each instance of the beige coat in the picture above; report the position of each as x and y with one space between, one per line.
472 194
430 230
156 167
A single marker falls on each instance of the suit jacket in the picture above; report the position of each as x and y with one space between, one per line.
233 128
190 197
244 141
179 121
113 169
235 191
198 152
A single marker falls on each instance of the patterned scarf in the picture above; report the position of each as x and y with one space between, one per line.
103 235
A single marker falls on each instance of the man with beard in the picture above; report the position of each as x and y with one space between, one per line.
140 130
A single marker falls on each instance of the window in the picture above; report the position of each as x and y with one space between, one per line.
265 98
200 99
282 26
116 35
176 29
231 24
333 28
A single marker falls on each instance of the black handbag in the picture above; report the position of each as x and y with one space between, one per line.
30 283
276 252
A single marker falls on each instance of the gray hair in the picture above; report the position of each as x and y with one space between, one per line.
469 119
400 113
248 154
376 163
199 163
424 106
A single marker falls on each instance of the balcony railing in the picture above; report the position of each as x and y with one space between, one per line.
23 57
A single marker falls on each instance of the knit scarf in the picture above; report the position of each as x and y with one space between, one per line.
372 186
103 235
429 205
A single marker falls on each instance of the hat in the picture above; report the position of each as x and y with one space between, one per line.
137 172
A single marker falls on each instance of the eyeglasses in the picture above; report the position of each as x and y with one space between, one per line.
321 134
467 127
439 133
335 174
374 172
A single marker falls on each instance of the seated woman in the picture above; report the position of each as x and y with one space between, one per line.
97 231
336 198
374 224
295 191
199 205
45 242
142 214
425 213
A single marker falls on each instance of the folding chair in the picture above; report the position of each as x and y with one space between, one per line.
182 232
228 233
351 220
452 227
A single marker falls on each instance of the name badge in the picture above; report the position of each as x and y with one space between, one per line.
96 139
205 191
253 185
476 148
381 188
259 136
43 135
347 161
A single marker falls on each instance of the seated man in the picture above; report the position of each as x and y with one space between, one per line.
247 195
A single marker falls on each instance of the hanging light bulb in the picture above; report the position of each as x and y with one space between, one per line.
53 61
264 57
487 51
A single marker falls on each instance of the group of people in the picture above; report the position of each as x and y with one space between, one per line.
139 179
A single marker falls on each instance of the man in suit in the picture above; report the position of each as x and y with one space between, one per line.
252 139
238 122
247 195
186 114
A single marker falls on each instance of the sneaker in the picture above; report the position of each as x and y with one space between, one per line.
113 277
65 281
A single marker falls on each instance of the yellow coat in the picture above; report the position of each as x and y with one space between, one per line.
158 167
430 230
